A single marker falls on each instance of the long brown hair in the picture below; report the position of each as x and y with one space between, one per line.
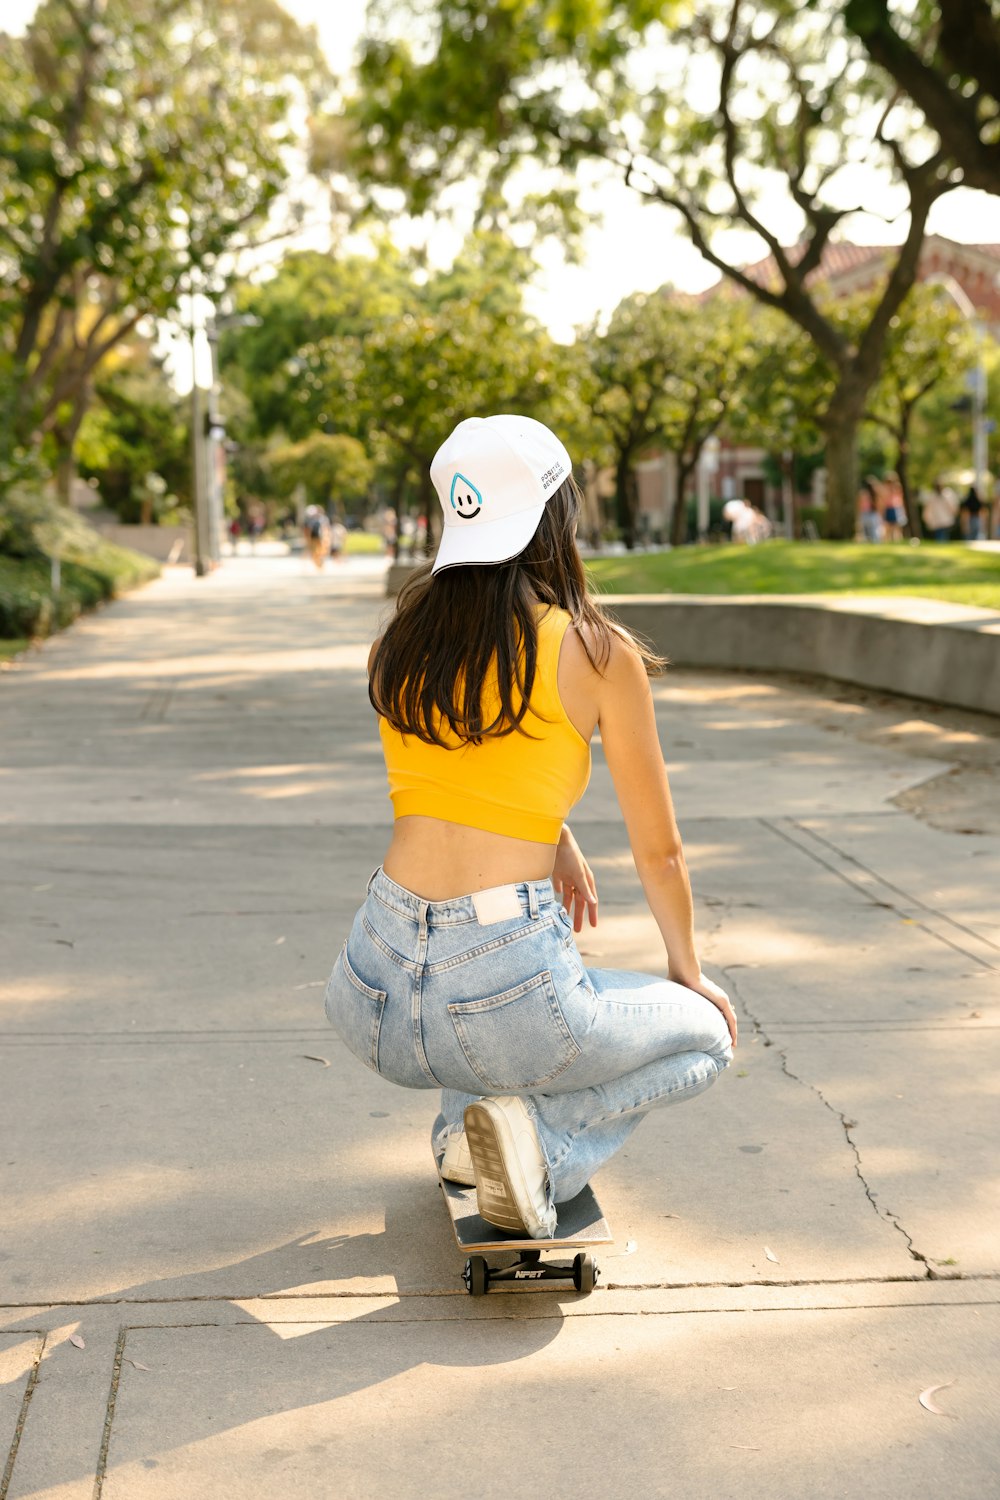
451 631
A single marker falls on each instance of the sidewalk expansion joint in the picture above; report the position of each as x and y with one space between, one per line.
882 1213
423 1293
22 1417
109 1413
881 892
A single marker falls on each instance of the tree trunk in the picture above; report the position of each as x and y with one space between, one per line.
903 470
624 509
678 521
427 509
65 474
65 440
841 433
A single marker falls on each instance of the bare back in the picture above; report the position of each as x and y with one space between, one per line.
438 860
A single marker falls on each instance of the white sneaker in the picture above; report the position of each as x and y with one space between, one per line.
456 1164
509 1167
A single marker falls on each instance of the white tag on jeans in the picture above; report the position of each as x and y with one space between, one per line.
498 904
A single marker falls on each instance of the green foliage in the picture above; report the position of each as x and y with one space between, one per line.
138 143
667 371
311 297
381 350
92 571
34 525
441 84
329 468
742 120
134 441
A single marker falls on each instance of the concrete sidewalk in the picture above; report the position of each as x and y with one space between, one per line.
241 1228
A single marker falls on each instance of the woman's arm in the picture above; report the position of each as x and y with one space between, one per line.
627 723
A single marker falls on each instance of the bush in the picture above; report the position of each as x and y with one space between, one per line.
32 529
34 524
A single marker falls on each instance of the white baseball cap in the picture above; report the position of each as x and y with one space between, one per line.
493 476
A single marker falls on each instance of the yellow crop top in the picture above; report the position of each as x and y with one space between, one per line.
507 784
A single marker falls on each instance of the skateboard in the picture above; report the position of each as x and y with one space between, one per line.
581 1224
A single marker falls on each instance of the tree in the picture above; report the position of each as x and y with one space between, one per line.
929 341
666 371
312 296
397 361
139 143
946 57
136 427
328 467
794 98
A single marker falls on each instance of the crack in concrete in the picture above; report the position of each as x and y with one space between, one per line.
883 1213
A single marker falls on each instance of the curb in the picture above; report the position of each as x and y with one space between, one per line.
918 648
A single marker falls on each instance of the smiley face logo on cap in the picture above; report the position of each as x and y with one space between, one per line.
465 498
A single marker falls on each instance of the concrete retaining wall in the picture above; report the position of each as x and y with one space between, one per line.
165 543
918 647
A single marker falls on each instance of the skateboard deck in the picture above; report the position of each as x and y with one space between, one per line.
581 1223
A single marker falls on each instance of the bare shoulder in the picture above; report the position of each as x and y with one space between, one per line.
620 666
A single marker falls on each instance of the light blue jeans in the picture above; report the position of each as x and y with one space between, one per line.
426 996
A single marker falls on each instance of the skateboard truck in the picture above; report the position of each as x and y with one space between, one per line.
479 1275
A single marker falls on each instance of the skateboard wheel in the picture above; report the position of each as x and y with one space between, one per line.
584 1274
476 1276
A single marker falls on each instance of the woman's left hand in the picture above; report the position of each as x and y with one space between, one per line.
573 881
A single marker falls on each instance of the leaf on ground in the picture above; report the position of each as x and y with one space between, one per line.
77 1341
771 1255
310 1058
928 1405
135 1363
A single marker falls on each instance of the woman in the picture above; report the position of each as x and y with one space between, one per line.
461 972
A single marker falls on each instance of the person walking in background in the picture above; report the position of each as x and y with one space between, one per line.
316 533
971 513
869 517
939 510
390 533
338 538
893 508
460 971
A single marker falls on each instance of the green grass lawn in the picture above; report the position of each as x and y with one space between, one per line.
364 541
931 571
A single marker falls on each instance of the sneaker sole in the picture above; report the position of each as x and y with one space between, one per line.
494 1190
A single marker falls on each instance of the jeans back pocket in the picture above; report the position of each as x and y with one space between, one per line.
517 1041
354 1010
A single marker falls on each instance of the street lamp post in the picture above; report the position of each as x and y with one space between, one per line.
202 549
